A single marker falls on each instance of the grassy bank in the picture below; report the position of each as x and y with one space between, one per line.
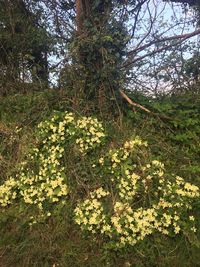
172 133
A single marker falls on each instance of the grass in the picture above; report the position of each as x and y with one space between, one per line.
59 242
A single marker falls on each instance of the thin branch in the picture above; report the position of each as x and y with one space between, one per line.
139 5
132 103
183 37
171 38
190 2
152 21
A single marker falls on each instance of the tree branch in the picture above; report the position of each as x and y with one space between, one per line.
171 38
190 2
183 37
132 103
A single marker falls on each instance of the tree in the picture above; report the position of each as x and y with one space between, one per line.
24 44
99 45
101 41
89 45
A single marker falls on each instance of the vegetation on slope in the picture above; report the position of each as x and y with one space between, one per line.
172 137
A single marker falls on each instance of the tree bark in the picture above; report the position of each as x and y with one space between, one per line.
82 12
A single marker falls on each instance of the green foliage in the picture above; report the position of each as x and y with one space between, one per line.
92 177
24 46
96 51
174 127
42 181
138 200
192 67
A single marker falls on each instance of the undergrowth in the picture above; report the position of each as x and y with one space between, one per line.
56 239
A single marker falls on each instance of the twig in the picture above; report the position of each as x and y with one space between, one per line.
181 39
132 103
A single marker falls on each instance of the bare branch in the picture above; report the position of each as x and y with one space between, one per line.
171 38
183 37
132 103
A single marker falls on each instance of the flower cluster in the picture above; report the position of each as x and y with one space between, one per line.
116 157
58 129
132 226
167 201
8 192
121 166
41 180
87 132
90 133
90 213
141 197
128 185
46 186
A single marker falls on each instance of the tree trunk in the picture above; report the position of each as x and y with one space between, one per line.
83 8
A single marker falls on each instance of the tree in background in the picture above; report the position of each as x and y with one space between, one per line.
24 44
101 45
